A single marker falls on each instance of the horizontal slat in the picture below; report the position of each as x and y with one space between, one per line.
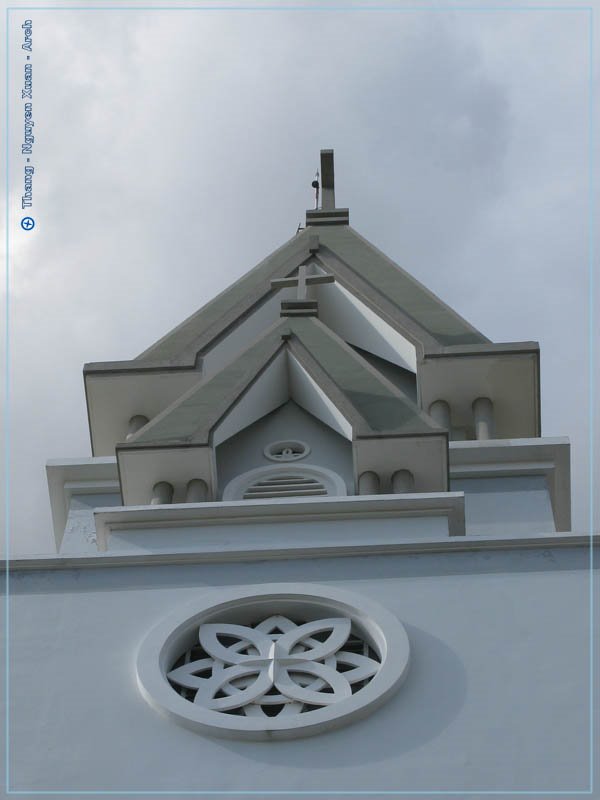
289 493
286 479
294 487
283 484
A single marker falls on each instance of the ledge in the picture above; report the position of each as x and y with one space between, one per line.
448 505
483 348
332 216
497 458
70 476
407 547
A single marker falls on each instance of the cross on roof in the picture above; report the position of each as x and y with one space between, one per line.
302 281
327 180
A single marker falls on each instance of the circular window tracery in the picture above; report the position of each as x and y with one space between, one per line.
284 661
277 666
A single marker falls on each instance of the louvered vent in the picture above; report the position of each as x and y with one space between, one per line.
285 486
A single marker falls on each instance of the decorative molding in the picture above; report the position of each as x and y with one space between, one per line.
506 458
277 661
508 375
287 450
409 546
440 504
446 505
274 666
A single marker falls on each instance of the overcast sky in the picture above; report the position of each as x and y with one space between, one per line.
175 149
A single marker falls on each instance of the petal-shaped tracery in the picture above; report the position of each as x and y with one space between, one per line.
242 635
364 667
190 674
207 693
340 630
339 686
277 666
276 623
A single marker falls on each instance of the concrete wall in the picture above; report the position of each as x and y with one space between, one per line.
519 504
80 530
496 697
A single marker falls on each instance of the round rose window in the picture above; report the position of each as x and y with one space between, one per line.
283 661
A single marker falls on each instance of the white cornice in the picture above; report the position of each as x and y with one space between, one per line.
453 544
499 458
70 476
446 505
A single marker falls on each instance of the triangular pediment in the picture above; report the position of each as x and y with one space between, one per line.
364 277
382 293
297 359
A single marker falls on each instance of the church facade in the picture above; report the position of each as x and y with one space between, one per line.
320 545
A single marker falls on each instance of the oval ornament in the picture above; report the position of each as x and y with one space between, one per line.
288 450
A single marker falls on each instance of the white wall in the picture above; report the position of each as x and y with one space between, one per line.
496 697
519 504
80 530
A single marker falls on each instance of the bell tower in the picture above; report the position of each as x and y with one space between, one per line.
320 521
331 355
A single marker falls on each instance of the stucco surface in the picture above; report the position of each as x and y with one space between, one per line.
520 504
496 697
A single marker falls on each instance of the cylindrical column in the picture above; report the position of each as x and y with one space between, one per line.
135 423
483 415
162 494
368 483
440 411
403 482
196 491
